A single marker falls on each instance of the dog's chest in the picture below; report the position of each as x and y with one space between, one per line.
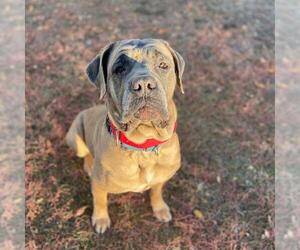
143 178
146 173
130 171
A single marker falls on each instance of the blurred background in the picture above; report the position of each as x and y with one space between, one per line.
12 124
223 195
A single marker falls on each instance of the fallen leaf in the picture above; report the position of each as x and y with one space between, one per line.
80 211
259 85
198 214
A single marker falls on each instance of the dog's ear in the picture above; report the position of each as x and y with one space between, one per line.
179 65
97 70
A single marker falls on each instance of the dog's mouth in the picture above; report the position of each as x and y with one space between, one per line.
147 113
146 110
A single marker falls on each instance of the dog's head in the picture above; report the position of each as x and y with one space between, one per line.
138 78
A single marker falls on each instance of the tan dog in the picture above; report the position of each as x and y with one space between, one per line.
130 144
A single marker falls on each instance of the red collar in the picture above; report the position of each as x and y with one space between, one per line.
148 145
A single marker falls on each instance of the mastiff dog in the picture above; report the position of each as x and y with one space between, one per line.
130 144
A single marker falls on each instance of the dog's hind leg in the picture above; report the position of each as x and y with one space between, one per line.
88 164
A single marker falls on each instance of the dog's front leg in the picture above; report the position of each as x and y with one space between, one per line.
160 208
100 218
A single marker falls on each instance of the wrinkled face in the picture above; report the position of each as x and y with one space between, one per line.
140 78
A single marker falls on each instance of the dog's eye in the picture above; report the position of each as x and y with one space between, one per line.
163 65
119 70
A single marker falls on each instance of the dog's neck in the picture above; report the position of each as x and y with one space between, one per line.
148 130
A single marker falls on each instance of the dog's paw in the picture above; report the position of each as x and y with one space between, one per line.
100 224
163 214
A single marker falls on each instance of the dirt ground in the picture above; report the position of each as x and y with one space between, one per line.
223 195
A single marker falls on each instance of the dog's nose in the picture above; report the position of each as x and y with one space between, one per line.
144 85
